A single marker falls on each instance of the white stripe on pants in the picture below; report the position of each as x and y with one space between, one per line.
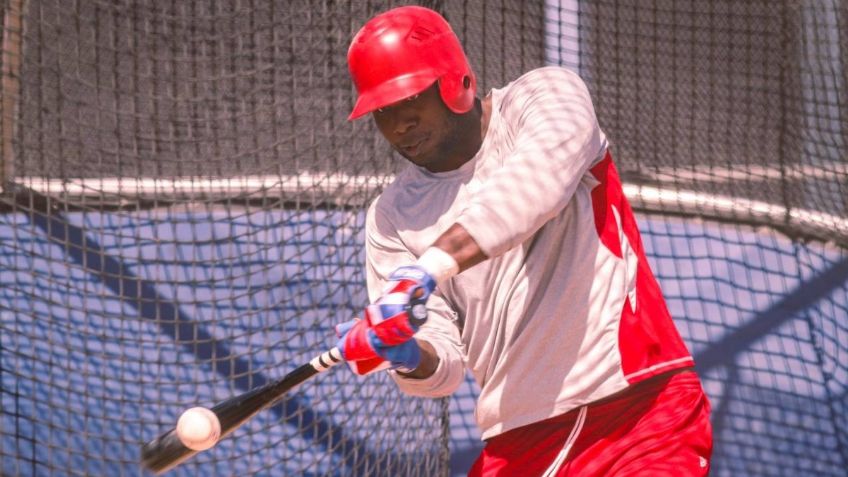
560 458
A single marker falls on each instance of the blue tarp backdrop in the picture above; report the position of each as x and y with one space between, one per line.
85 322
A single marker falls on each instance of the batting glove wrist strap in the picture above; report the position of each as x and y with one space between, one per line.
438 263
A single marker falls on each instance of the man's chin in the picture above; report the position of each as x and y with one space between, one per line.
417 163
417 159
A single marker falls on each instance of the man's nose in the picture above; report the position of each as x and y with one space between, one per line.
404 121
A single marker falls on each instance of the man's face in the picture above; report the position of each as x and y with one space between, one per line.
422 129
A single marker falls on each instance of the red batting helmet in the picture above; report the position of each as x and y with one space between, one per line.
402 52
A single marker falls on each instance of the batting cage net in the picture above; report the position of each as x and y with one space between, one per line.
182 213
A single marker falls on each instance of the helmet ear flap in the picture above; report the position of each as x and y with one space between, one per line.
457 91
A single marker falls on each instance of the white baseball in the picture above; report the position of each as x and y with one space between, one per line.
198 428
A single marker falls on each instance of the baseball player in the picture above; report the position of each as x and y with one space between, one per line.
507 248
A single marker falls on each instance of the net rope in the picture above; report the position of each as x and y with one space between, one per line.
182 220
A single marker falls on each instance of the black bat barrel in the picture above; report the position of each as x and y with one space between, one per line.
167 451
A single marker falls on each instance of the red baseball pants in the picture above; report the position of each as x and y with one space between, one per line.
656 428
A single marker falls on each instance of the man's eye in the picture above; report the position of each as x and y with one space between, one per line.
383 110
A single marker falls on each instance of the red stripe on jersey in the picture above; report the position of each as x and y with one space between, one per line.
648 340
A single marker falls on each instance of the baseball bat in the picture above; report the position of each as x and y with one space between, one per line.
167 451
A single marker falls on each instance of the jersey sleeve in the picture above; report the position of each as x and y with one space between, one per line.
384 252
556 138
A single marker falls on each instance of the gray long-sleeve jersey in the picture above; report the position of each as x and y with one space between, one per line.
566 311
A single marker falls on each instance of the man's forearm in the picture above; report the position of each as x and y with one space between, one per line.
457 242
429 362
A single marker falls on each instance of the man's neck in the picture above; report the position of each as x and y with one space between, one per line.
469 130
476 123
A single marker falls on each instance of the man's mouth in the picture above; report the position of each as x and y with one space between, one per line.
413 147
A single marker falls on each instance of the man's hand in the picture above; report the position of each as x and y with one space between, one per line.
384 338
398 314
365 353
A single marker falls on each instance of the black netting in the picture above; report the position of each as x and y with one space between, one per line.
743 100
183 209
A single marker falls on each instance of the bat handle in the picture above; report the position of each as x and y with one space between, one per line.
327 360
